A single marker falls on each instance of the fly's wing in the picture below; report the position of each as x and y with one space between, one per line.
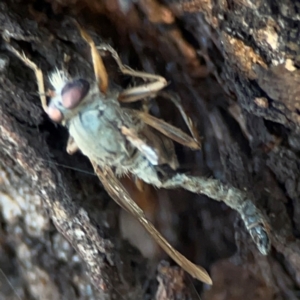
116 190
99 68
166 129
155 139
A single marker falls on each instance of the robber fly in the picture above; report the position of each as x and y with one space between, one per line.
120 140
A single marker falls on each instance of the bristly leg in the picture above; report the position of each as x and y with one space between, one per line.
38 74
238 200
156 83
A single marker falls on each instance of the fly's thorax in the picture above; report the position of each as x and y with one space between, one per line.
96 129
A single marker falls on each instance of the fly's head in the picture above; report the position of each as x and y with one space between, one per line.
69 96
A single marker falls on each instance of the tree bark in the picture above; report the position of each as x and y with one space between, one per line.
235 66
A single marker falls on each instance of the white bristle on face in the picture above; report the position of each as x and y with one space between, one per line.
58 80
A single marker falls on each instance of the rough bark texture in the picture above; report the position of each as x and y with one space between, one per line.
235 66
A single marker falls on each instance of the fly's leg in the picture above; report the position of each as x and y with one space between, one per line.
136 93
38 74
238 200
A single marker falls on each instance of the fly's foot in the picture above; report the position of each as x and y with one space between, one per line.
256 225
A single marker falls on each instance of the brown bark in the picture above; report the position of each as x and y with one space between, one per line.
235 66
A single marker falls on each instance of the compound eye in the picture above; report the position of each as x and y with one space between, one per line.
73 92
55 114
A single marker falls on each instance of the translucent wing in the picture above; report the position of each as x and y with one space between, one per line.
116 190
99 68
168 130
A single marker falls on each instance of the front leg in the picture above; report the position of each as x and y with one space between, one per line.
38 74
238 200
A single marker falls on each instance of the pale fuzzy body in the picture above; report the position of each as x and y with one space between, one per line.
95 125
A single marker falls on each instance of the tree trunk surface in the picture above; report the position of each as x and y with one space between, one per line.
234 65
